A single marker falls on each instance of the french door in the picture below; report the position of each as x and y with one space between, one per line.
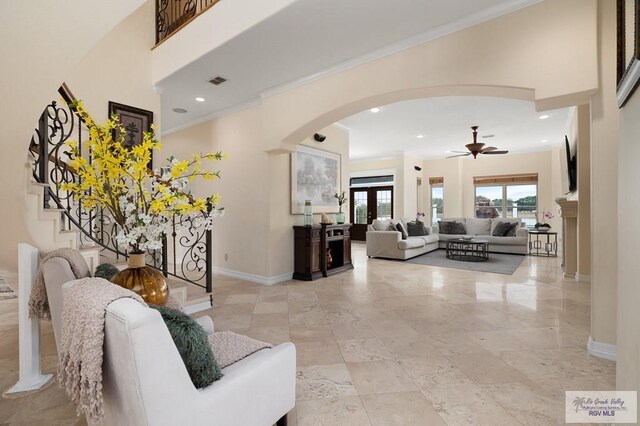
368 204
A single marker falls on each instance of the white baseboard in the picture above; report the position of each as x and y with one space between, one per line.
583 278
258 279
197 307
565 275
602 350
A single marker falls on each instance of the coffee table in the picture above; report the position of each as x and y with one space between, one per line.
474 250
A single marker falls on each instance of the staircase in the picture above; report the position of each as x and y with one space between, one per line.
56 220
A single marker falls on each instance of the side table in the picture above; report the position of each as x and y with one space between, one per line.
539 245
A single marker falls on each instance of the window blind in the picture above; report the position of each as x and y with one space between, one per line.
516 178
436 181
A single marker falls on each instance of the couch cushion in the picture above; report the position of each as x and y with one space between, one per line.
478 226
497 220
451 227
402 230
411 242
192 344
428 239
381 225
416 229
505 241
501 229
447 237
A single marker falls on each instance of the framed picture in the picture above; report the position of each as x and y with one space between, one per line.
135 121
628 51
315 176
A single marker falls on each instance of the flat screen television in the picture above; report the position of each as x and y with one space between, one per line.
571 167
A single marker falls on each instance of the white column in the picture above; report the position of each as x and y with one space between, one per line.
31 377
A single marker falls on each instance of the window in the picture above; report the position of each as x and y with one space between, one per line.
437 199
507 196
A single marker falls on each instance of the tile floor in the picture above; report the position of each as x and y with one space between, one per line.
392 343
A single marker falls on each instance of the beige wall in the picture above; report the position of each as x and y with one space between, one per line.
527 59
604 179
37 57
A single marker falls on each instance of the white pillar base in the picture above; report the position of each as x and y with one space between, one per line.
31 377
565 275
602 350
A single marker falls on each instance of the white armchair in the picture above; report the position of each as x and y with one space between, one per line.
146 382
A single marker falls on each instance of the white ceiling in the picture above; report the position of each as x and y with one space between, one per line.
308 38
445 123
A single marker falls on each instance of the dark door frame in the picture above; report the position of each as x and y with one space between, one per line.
359 231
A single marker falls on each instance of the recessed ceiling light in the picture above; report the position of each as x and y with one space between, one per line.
543 141
198 99
376 109
179 110
420 136
544 116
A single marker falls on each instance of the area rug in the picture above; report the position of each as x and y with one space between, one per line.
5 291
497 263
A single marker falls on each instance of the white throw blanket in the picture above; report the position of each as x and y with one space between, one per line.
81 351
38 301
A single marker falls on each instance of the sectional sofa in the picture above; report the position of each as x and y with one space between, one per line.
483 228
389 244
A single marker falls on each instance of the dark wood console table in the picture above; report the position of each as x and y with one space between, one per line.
321 251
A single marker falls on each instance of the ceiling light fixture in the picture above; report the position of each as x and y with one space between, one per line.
543 141
179 110
544 116
199 99
420 136
374 110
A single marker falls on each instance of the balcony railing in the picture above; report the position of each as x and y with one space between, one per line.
172 15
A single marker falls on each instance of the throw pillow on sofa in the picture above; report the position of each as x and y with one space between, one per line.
416 229
403 231
511 232
192 344
453 228
501 229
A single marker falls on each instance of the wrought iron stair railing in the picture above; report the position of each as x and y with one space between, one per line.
185 254
172 15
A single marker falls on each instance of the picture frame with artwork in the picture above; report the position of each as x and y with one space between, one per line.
628 49
315 176
135 121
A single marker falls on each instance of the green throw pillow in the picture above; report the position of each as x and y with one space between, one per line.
193 346
106 271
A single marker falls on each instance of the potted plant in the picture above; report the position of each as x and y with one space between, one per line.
342 200
420 215
142 202
543 226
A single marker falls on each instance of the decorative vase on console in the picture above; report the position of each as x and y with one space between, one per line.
342 200
143 205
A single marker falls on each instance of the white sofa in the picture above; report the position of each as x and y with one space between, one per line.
146 383
483 228
389 244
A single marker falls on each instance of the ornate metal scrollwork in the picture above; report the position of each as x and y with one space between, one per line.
51 155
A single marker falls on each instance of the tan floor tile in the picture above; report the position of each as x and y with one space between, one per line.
318 352
271 307
486 368
410 346
332 412
380 377
358 330
361 350
541 407
467 405
270 320
324 381
403 408
433 371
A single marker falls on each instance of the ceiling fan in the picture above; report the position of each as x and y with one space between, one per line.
476 147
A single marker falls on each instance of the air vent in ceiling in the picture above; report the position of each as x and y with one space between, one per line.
217 80
488 136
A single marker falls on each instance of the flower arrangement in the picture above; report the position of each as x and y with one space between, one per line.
342 199
545 215
142 202
419 215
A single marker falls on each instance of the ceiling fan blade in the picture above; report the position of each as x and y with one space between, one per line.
495 152
459 155
489 148
461 152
